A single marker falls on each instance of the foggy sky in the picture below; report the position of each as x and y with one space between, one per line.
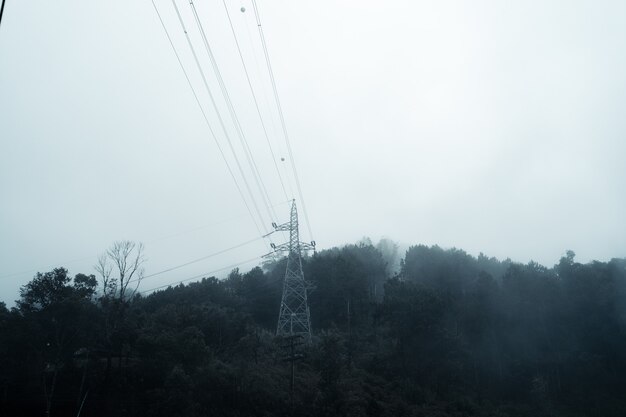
488 126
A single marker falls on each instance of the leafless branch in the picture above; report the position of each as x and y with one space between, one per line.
127 258
104 269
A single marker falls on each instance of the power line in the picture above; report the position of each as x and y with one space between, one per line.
233 114
199 259
282 117
267 104
12 274
261 289
219 116
256 104
202 275
206 120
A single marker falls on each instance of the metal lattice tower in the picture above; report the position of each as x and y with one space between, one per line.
294 316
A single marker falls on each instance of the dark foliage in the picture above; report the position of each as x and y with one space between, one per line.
448 335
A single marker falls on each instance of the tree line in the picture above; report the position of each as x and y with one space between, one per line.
443 334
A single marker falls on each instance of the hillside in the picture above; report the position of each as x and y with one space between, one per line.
448 335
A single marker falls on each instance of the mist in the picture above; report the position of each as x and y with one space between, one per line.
409 208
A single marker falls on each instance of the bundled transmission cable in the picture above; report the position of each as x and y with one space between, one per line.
268 106
208 89
282 117
195 95
256 103
242 138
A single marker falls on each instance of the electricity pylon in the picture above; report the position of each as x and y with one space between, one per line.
294 317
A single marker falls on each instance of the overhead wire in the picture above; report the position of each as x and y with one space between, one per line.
267 105
12 274
239 130
202 275
233 114
197 99
261 289
221 121
255 170
210 130
246 148
173 268
256 103
281 116
259 73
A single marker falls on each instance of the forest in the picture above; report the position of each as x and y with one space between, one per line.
443 334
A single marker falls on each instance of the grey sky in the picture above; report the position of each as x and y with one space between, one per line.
486 125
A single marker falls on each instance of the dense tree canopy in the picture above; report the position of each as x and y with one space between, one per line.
446 334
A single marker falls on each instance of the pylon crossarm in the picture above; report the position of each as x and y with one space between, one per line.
307 246
287 247
284 247
285 227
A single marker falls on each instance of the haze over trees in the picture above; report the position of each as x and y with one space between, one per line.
442 334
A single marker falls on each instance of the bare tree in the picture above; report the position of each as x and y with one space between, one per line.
104 269
121 271
119 267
